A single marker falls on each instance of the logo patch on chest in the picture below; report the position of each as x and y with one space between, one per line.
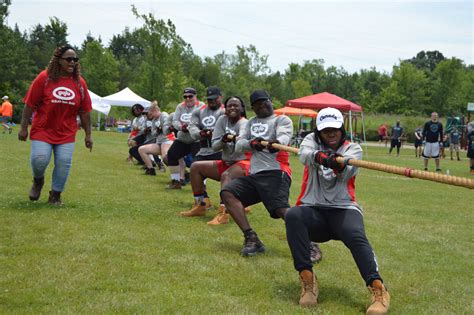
64 93
259 129
209 121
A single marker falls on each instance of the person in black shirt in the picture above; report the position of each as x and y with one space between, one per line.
396 134
433 135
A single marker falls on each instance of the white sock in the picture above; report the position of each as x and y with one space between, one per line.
175 176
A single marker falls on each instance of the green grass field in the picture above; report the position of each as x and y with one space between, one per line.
119 246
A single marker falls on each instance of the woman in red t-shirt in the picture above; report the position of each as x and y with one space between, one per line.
56 97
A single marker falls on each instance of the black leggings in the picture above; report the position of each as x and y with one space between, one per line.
180 149
321 225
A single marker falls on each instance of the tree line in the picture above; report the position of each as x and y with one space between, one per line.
154 61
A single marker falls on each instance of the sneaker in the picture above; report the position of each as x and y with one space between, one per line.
438 170
55 198
161 167
426 169
174 184
221 217
380 299
150 171
198 210
35 191
309 289
315 253
252 245
182 182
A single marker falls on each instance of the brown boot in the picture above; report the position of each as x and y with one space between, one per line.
380 299
221 217
247 210
198 210
55 198
174 184
309 289
35 191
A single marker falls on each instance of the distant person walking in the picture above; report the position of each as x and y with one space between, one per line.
433 135
396 134
454 139
7 114
382 132
56 96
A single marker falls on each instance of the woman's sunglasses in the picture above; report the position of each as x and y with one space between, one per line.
69 59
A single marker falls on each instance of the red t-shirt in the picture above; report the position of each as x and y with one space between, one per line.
382 130
56 105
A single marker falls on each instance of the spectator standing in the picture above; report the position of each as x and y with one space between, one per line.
382 132
56 96
433 137
7 114
418 141
396 134
454 140
470 149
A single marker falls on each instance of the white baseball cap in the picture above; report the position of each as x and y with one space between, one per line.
5 97
329 118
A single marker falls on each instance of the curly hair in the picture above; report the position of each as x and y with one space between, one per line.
54 67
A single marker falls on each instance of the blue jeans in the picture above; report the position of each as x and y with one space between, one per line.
41 155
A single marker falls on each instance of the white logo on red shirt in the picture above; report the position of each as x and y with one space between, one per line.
258 129
64 93
185 117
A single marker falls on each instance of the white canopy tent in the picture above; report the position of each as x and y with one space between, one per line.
126 98
98 104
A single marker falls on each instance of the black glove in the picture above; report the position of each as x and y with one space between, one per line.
321 158
225 138
172 129
256 144
205 133
184 128
332 163
270 147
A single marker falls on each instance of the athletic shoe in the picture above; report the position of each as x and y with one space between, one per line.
221 217
380 299
252 245
426 169
438 170
315 253
174 184
150 171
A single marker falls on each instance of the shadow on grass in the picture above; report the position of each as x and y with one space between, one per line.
27 206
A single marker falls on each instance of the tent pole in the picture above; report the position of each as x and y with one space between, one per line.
350 124
363 132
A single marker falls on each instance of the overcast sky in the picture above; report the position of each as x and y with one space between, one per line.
351 34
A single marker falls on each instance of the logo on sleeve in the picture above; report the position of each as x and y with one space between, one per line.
63 93
259 129
185 117
208 121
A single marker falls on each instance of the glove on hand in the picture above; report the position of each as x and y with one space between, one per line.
171 129
184 128
270 147
225 138
332 163
321 158
205 133
256 144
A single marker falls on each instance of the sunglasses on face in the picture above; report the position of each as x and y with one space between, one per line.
188 96
69 59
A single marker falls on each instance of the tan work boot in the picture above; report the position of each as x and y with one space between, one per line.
247 210
198 210
380 299
309 289
208 203
221 217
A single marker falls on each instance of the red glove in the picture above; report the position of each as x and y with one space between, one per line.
184 128
256 144
205 133
270 147
321 158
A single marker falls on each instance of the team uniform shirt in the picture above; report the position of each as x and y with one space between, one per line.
182 115
167 131
56 105
138 125
433 131
7 109
204 118
159 128
323 187
397 132
224 126
270 129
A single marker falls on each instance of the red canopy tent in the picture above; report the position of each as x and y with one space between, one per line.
325 99
296 111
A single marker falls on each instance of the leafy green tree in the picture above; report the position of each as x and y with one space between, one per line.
447 88
427 60
99 68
